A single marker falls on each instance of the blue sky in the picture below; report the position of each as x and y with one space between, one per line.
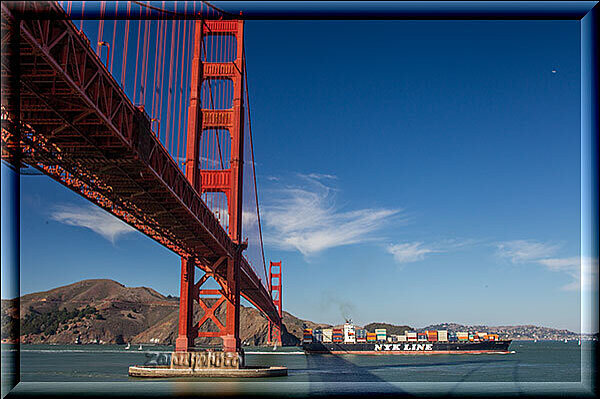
409 172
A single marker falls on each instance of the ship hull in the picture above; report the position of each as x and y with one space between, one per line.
412 348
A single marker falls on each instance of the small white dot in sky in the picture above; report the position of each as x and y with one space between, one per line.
554 71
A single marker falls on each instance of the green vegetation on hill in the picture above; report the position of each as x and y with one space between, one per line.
390 328
47 323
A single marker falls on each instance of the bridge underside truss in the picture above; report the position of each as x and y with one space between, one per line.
76 125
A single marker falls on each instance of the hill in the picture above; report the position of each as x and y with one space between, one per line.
105 311
518 332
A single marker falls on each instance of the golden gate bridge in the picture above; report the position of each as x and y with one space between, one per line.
143 109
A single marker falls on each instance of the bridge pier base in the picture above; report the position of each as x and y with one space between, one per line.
232 344
186 336
207 360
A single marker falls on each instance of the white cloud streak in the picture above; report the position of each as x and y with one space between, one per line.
305 218
416 251
409 252
93 218
583 271
520 251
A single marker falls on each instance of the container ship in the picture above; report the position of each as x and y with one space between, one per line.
350 339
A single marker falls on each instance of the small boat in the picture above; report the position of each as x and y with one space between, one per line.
128 345
140 348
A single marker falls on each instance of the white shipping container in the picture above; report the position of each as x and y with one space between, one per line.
327 335
402 338
442 335
411 334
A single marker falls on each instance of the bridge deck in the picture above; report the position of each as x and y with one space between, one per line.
82 130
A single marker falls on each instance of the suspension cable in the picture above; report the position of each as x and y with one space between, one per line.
262 249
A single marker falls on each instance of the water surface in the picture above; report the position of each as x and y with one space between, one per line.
542 361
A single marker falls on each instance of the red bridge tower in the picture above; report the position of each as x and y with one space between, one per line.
227 181
275 289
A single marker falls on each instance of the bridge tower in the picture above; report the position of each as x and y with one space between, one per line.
204 118
274 336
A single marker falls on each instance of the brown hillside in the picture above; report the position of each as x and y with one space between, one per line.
133 314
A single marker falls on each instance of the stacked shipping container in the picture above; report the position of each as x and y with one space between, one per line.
338 335
361 335
307 336
352 335
381 334
432 336
442 335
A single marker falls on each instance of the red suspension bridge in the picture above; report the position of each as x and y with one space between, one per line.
142 108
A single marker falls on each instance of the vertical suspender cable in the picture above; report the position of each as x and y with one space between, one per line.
157 68
125 45
142 74
175 87
146 53
112 46
100 28
182 62
185 92
82 14
162 66
183 82
170 82
137 57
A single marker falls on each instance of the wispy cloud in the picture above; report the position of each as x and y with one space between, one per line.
306 217
529 251
93 218
519 251
318 176
562 264
416 251
576 267
409 252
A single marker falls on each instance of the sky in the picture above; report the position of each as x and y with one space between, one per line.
409 172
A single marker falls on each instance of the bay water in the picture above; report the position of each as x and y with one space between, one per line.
542 361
